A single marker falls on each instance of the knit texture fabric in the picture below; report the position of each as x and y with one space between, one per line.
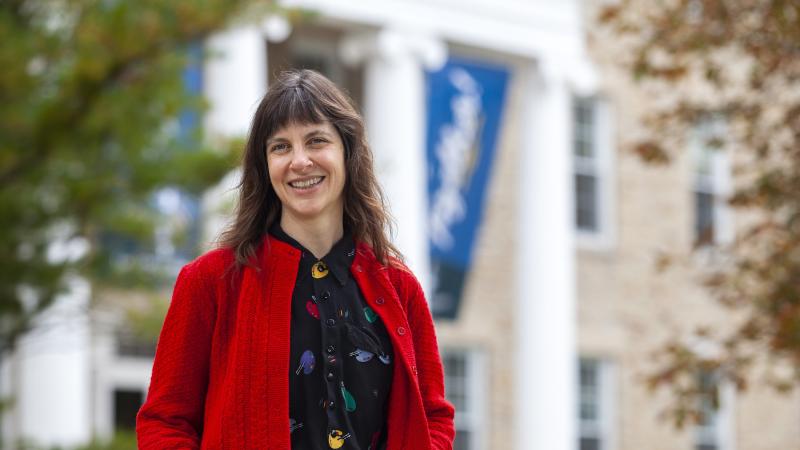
220 373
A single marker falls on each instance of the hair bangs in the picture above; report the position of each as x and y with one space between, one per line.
294 105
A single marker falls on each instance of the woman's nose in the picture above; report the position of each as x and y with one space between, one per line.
300 160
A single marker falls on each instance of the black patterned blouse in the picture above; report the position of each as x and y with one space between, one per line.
341 356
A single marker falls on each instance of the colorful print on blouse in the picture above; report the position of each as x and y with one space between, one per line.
341 365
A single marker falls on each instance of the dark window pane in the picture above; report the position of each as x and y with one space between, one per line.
130 345
313 62
455 369
590 444
704 218
588 375
709 400
708 414
588 411
707 428
456 394
589 407
583 123
583 147
586 202
589 390
707 447
454 365
463 440
126 405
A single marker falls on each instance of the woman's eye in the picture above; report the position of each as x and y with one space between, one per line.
278 148
318 141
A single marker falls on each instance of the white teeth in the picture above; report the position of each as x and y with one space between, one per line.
304 184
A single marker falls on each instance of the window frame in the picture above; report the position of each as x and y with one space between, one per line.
721 432
601 167
715 182
603 428
475 419
112 371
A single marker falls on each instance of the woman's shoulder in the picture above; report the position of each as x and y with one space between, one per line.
213 264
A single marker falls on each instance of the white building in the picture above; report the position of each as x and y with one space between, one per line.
554 248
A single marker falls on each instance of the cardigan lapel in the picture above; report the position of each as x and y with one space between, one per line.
262 348
284 262
383 298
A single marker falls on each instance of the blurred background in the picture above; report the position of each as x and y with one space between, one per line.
601 199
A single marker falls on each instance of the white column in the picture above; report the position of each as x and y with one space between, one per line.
52 383
395 114
9 420
235 79
546 352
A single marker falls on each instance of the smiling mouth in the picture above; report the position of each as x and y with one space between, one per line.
306 184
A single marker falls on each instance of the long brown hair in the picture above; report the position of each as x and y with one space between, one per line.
307 97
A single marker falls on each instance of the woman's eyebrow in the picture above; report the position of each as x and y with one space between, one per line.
317 132
276 139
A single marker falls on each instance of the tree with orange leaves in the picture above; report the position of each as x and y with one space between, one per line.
745 56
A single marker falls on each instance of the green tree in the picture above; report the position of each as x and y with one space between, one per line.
91 92
738 62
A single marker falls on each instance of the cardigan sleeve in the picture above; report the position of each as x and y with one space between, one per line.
172 415
438 410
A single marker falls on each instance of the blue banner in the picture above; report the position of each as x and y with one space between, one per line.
465 104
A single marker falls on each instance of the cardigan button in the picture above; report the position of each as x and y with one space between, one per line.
380 301
331 349
401 331
331 322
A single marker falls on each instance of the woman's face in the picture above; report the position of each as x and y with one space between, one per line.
307 171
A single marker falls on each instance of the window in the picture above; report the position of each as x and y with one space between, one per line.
126 406
715 408
312 46
594 408
465 385
586 199
592 171
711 184
133 346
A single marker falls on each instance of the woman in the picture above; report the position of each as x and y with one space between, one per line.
303 330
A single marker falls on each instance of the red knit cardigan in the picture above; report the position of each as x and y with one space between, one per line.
220 375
